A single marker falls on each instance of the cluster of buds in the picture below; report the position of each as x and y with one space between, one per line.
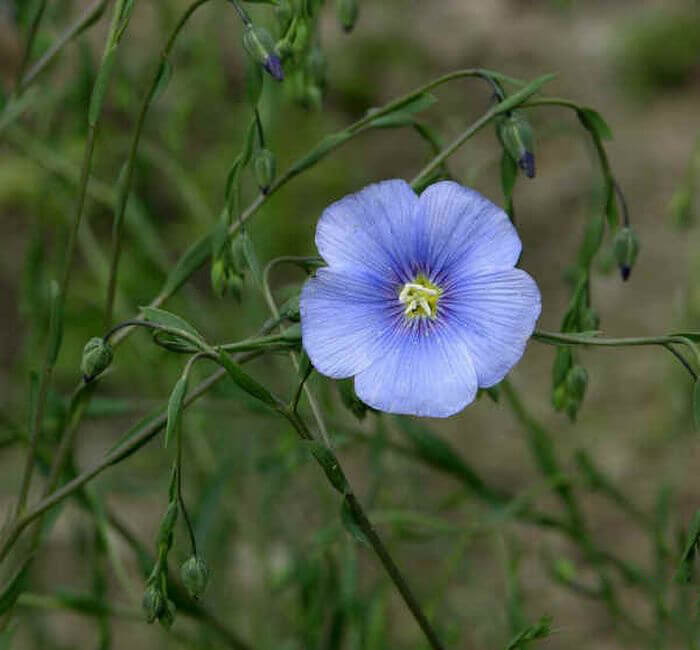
228 269
570 381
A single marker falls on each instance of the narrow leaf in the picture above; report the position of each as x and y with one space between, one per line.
14 587
594 122
165 72
245 381
175 408
514 100
685 570
330 465
168 319
347 517
99 90
251 258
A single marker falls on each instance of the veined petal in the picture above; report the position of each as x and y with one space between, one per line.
496 313
423 370
463 229
343 318
372 229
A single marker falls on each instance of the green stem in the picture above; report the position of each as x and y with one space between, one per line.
33 29
65 281
87 18
122 199
365 525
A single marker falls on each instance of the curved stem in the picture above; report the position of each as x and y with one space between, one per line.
33 29
47 370
123 196
313 404
88 17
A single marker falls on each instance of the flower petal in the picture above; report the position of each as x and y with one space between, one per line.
343 316
372 229
424 371
496 313
463 229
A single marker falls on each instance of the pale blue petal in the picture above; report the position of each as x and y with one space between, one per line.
423 370
373 229
343 316
463 232
496 313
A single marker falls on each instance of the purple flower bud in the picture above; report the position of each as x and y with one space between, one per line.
274 67
527 164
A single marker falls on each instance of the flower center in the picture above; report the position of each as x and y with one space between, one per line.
420 297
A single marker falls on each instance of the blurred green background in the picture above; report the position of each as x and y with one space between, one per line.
283 572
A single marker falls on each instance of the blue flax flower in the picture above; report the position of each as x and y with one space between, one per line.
420 300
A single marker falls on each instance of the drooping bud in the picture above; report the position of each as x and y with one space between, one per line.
167 617
576 382
265 167
347 13
590 320
153 603
195 575
626 248
515 134
259 44
97 355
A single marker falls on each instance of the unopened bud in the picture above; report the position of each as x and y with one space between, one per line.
301 37
195 575
590 320
218 276
626 248
258 43
153 603
517 139
576 382
292 333
97 355
167 617
347 13
290 309
265 167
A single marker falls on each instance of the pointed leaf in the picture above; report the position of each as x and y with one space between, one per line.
175 408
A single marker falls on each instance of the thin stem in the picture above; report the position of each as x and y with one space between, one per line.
123 197
148 432
313 404
557 338
33 29
243 14
375 541
87 18
65 281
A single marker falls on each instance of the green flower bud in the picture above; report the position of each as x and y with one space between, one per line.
576 382
515 134
562 364
153 603
265 167
218 276
167 617
347 13
590 320
259 44
97 355
626 248
290 309
559 397
292 333
195 575
316 66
